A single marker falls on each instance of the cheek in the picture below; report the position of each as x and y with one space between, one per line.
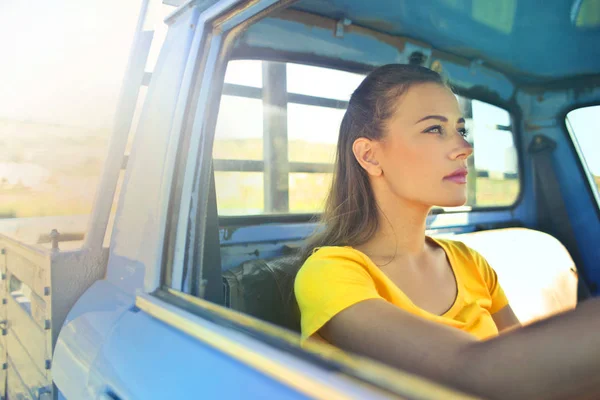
410 165
415 174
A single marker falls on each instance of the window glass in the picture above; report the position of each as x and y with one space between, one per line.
244 72
321 82
308 191
313 133
494 182
582 124
239 193
304 138
239 134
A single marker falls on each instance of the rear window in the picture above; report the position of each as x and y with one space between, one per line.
278 159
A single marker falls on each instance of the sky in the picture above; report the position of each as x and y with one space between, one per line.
66 62
63 61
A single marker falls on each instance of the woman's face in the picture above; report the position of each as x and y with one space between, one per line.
423 155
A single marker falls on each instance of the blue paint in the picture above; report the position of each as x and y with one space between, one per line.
85 330
136 242
163 363
540 43
469 77
294 37
546 113
106 344
268 240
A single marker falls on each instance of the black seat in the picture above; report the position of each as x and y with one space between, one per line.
265 289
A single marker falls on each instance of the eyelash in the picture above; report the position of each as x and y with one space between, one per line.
464 132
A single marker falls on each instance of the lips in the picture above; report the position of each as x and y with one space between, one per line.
459 176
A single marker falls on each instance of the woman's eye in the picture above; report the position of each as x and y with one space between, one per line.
434 129
463 132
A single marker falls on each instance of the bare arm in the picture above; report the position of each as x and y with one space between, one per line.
552 359
505 319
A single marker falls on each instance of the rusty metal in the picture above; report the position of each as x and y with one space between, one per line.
63 237
54 238
340 26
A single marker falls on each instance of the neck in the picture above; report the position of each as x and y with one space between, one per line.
401 227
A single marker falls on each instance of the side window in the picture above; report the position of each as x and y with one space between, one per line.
493 179
277 131
582 126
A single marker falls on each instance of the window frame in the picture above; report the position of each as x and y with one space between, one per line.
244 91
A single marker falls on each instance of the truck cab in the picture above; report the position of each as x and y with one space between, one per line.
183 283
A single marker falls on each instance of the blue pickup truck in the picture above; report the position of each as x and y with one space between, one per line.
186 292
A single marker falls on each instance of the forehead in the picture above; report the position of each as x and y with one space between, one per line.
428 99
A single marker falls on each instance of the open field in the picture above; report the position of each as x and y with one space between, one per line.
242 193
50 170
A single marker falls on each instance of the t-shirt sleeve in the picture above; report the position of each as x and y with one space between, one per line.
329 282
499 300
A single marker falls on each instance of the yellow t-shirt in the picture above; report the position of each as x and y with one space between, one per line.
335 278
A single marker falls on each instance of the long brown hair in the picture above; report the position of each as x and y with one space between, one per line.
350 215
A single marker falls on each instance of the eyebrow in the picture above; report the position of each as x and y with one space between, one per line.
440 118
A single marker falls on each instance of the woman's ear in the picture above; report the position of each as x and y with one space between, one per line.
364 152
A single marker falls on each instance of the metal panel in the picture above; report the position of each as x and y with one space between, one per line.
231 89
31 269
78 347
33 304
21 362
132 82
259 166
29 334
17 389
582 207
136 243
27 342
275 138
3 294
29 309
516 50
306 37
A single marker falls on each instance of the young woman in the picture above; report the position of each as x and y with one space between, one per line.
374 283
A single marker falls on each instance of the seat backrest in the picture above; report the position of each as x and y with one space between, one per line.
534 269
264 289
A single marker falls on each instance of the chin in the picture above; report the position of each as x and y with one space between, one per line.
457 201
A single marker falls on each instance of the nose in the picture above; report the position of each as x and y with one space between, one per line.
463 151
